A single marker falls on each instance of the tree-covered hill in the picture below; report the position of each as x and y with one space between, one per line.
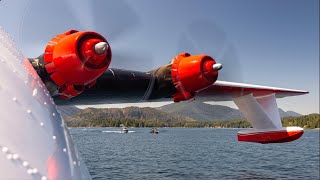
150 117
131 116
310 121
207 112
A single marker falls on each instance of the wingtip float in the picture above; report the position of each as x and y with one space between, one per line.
280 135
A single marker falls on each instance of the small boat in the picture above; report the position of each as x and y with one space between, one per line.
125 130
154 130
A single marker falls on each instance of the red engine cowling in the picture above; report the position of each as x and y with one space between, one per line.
191 74
72 62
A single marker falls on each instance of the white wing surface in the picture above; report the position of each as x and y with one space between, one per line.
226 91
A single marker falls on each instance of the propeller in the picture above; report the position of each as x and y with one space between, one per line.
205 37
114 20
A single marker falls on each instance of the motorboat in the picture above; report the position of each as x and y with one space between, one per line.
154 130
125 130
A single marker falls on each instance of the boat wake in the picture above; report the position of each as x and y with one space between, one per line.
118 132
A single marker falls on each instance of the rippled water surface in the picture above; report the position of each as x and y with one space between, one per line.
179 153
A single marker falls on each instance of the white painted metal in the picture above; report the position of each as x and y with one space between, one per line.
34 141
243 85
254 112
257 131
269 105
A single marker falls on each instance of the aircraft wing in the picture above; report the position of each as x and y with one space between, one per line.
75 69
226 91
126 86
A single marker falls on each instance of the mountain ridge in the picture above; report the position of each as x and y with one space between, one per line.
183 111
136 113
207 112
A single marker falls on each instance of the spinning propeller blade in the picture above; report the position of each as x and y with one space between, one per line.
99 16
205 37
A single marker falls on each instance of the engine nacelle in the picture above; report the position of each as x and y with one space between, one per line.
191 74
74 60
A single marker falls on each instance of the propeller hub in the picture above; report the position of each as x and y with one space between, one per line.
210 69
94 53
217 67
101 47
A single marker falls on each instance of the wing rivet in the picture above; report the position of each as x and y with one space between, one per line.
64 150
54 137
43 178
29 171
15 156
34 92
14 99
25 164
4 149
41 124
29 111
9 156
34 170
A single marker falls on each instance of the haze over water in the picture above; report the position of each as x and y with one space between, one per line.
199 153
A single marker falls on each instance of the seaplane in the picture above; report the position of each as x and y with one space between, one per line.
74 69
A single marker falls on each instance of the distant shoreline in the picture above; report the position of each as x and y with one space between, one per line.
307 122
84 127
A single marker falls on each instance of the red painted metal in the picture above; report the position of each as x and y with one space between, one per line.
72 63
280 136
90 57
191 74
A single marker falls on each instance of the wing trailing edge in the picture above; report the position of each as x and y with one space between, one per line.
226 91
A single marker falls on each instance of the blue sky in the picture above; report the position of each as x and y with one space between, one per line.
265 42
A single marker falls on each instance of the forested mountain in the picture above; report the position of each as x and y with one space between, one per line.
150 117
206 112
111 117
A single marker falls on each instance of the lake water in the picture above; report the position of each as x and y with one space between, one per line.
199 153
